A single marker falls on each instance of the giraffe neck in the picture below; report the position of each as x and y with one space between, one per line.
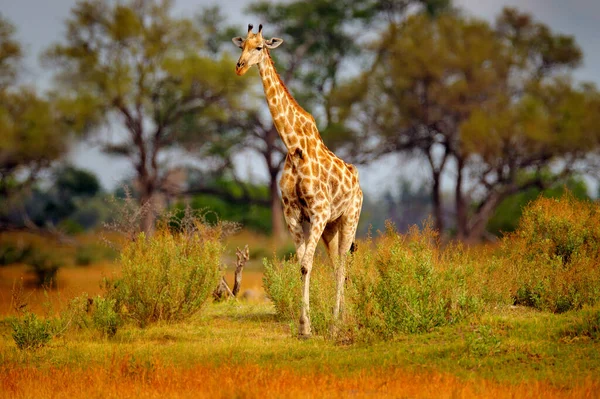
292 122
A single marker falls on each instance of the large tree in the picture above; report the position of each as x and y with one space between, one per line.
136 65
35 130
481 102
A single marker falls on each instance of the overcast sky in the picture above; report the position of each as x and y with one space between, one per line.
41 22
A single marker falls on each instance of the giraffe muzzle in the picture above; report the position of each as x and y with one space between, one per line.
240 68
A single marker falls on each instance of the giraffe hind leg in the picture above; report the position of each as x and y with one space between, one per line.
347 235
331 239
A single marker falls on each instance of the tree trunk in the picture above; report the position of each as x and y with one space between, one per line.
438 216
461 206
274 165
148 214
278 230
480 219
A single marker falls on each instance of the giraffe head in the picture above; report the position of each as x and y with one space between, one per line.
253 49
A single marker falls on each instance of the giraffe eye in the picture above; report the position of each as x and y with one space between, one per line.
259 48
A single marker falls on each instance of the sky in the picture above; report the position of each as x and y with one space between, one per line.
41 22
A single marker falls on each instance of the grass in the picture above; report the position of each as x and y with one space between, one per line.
242 348
481 326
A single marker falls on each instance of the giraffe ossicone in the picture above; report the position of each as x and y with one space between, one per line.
316 186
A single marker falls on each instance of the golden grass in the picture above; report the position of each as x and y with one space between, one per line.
71 282
74 281
125 378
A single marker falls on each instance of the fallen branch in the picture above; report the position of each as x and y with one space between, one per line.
223 291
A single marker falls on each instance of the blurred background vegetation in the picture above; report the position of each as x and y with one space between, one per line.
489 112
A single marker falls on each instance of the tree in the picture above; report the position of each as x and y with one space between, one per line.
10 53
35 130
133 63
483 101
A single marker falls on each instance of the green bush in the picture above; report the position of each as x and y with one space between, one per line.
14 252
45 266
553 256
31 332
409 285
105 317
404 285
168 276
281 280
283 285
94 253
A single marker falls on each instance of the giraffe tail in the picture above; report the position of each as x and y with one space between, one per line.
353 247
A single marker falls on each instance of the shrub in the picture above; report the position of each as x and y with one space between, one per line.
404 285
105 317
30 332
553 256
89 254
14 252
168 276
409 285
283 286
45 266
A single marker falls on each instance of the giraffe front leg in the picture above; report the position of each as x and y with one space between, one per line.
306 264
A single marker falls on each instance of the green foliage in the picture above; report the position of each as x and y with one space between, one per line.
229 205
284 287
281 280
168 276
10 53
139 64
76 182
45 265
509 211
587 325
404 285
33 136
31 332
105 317
14 252
88 254
553 255
409 285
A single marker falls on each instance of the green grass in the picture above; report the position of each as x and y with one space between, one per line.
510 345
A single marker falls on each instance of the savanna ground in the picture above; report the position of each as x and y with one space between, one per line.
245 348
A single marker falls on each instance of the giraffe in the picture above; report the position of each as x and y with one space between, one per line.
316 186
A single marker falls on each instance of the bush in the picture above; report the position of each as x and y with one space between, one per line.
283 286
408 284
105 317
30 332
14 252
168 276
404 285
553 256
45 266
94 253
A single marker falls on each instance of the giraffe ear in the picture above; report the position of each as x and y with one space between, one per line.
273 43
238 41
